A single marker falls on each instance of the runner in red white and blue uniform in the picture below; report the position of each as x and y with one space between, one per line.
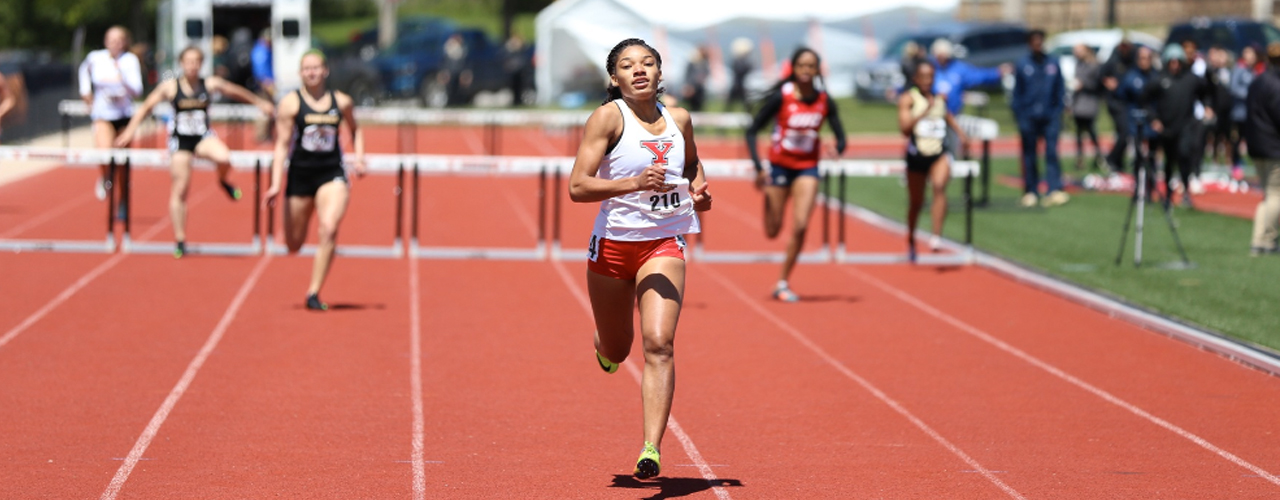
798 108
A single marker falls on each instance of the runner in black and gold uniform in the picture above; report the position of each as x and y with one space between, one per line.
190 134
307 136
924 119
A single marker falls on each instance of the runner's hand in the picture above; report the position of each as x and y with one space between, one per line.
359 165
762 180
654 177
701 198
125 137
270 197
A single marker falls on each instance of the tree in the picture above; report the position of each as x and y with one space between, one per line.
511 8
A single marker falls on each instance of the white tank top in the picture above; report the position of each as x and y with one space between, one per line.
646 215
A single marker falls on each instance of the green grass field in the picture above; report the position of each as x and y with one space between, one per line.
1226 291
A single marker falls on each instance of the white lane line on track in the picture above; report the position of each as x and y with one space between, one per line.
157 420
84 281
1055 371
685 441
867 385
415 382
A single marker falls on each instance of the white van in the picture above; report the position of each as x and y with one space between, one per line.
184 23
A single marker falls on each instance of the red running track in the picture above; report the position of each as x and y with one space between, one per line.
136 376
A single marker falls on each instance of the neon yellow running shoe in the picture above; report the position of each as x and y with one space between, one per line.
650 464
605 364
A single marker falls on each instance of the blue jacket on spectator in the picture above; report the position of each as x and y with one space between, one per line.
1130 92
1038 89
956 77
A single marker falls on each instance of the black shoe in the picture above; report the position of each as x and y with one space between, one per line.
180 249
232 191
314 304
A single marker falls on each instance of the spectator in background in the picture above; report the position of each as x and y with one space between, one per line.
1262 134
912 55
1038 93
1130 93
1172 99
456 76
220 46
263 72
1241 77
1200 68
1085 100
1116 68
696 73
953 77
264 80
110 79
515 63
1219 78
740 68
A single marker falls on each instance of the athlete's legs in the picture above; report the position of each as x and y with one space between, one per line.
215 150
180 175
775 201
331 205
613 305
660 287
916 182
104 137
297 216
939 176
804 193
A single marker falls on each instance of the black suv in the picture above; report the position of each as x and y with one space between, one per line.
1228 33
979 44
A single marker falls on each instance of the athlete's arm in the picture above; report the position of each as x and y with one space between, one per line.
833 119
347 107
906 122
163 92
86 84
285 114
955 125
218 84
692 165
772 105
603 128
131 74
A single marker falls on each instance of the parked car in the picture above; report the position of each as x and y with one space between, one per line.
985 45
416 66
1103 43
1228 33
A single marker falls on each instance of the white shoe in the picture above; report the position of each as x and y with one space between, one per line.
1029 200
100 189
1196 187
935 243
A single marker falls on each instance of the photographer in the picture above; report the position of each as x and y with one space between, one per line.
1130 94
1172 99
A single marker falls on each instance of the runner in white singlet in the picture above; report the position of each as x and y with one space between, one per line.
638 159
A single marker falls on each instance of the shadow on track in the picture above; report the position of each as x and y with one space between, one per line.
671 487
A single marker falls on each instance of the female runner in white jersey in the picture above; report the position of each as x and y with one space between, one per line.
110 79
639 161
923 118
190 134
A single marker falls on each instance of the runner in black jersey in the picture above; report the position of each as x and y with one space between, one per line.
307 136
190 134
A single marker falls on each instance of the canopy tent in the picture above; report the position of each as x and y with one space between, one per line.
575 36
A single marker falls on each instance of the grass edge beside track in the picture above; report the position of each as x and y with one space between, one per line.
1227 293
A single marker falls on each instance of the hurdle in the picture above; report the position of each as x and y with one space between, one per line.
117 160
375 163
486 165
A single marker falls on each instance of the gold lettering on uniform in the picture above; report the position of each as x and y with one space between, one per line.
319 119
191 104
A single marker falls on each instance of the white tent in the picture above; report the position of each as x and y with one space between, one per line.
575 36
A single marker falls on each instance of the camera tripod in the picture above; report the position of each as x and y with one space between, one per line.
1143 166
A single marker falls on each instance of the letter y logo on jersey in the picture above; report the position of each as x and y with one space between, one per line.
659 150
